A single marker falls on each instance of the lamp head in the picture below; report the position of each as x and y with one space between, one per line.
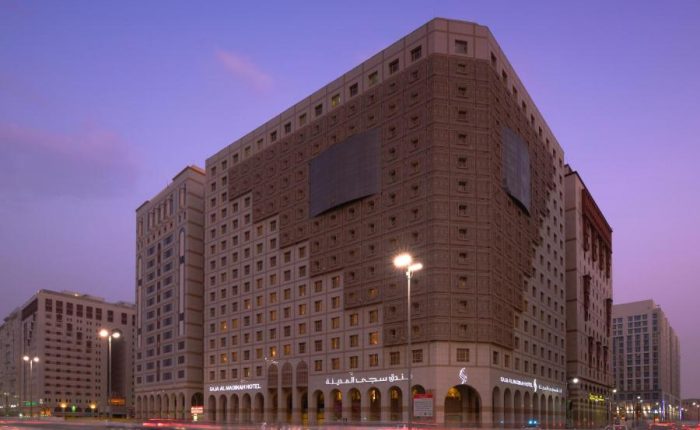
403 260
415 267
35 359
25 358
104 333
116 334
575 380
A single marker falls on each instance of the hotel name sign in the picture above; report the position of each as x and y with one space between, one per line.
352 380
531 384
234 387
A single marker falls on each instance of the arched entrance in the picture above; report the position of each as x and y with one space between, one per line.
395 404
223 408
212 409
355 405
497 408
527 408
508 420
375 404
181 408
235 408
320 407
259 408
273 386
463 405
288 407
245 413
337 398
518 408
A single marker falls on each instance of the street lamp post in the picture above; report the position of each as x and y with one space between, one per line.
104 333
31 361
405 261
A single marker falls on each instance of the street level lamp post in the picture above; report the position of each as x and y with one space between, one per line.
104 333
405 261
31 361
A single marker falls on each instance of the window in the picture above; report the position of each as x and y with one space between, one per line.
373 78
335 100
354 340
495 357
318 110
394 358
374 338
394 67
373 360
354 89
354 362
302 119
462 355
416 53
460 46
417 355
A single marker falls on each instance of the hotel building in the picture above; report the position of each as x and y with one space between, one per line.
433 147
169 273
588 307
646 363
68 372
10 356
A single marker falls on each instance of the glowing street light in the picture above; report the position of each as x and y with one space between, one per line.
114 334
405 261
31 361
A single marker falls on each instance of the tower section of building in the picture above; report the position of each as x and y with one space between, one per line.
589 307
432 147
169 276
646 363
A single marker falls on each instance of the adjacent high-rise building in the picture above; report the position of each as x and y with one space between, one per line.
431 147
10 356
588 306
646 362
63 364
169 273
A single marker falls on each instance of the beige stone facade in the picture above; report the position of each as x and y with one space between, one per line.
646 363
304 315
10 356
589 307
169 273
71 376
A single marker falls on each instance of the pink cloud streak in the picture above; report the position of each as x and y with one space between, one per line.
244 69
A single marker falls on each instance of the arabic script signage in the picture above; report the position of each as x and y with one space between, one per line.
365 380
531 384
238 387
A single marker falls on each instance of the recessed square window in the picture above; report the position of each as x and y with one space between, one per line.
318 110
394 67
460 46
416 53
354 89
335 100
373 78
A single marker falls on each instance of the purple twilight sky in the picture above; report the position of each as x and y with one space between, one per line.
101 103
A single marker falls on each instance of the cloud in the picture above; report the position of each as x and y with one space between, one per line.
244 69
92 162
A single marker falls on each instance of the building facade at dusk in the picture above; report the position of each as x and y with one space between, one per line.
10 356
169 273
433 147
69 374
646 362
588 307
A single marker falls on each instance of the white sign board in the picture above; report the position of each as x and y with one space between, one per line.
423 405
